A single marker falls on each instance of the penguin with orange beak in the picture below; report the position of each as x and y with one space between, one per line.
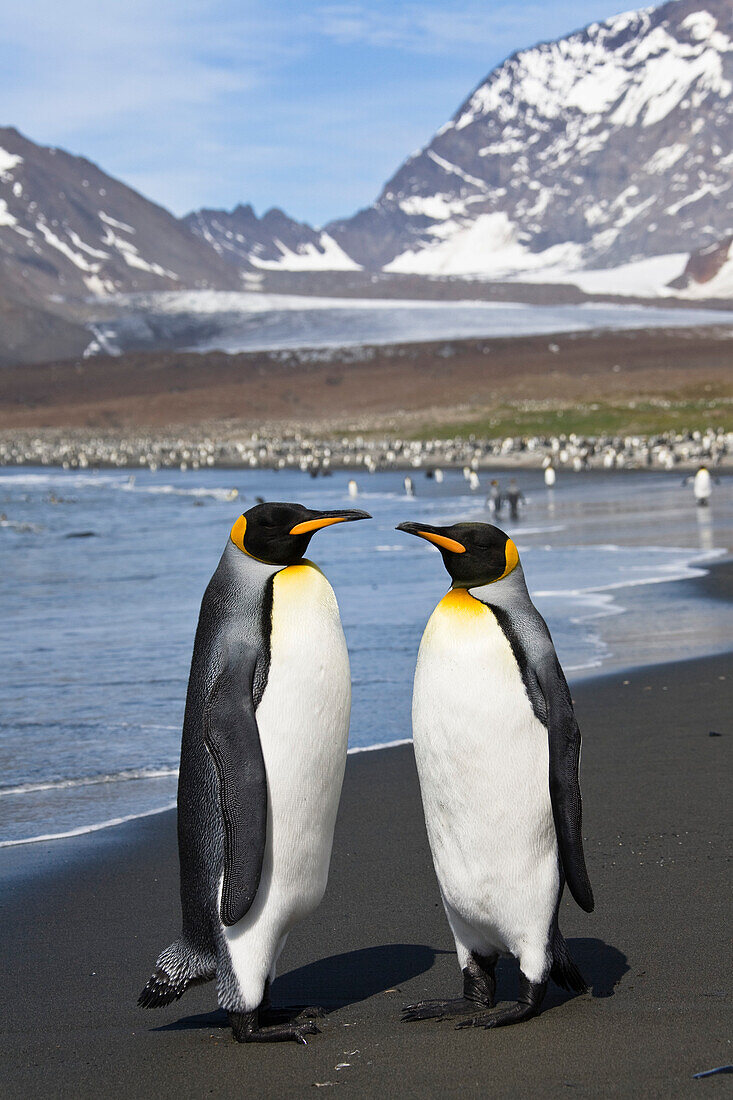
497 749
262 762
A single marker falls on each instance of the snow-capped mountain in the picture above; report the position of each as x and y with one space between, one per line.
68 229
610 146
274 241
603 159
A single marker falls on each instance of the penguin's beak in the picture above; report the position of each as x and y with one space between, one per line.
434 535
326 519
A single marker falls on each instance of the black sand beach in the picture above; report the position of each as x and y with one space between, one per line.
84 919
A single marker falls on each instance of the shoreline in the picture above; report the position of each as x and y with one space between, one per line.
715 580
654 784
509 463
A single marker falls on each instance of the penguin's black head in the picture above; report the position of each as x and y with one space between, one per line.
473 553
279 533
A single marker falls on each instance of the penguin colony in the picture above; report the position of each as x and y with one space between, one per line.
298 450
263 755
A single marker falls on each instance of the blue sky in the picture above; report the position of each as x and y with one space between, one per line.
306 106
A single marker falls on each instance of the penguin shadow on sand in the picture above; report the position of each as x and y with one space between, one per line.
602 966
334 982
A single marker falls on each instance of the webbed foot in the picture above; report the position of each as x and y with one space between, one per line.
440 1010
479 987
528 1005
246 1028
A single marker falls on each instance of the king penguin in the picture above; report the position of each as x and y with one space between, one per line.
497 748
262 761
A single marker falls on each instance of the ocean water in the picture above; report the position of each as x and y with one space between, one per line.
101 576
233 322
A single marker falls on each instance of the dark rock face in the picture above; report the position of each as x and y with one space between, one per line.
69 230
703 265
610 145
272 241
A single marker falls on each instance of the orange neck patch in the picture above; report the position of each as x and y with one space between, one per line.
237 533
459 601
512 559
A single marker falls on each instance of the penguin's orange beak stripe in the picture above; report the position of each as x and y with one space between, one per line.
316 524
443 541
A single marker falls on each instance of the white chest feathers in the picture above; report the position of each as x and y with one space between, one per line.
303 720
303 716
483 762
309 662
468 675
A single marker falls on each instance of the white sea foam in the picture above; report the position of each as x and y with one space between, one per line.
586 667
381 745
689 565
110 480
89 781
173 490
35 480
82 829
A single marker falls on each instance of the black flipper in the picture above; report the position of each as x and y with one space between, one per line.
567 808
233 739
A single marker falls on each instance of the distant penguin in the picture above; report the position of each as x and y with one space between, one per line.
473 481
262 761
409 487
702 486
497 749
439 476
353 488
514 496
494 501
549 476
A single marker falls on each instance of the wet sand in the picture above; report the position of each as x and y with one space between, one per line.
84 919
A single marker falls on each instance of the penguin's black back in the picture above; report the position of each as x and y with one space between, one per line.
236 614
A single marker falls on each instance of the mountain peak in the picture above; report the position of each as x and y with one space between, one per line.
274 241
605 146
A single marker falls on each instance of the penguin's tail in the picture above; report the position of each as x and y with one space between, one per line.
179 966
564 972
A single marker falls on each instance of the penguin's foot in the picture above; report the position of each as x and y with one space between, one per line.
531 995
440 1010
500 1017
479 988
246 1028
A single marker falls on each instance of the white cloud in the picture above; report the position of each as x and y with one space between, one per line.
82 63
473 27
